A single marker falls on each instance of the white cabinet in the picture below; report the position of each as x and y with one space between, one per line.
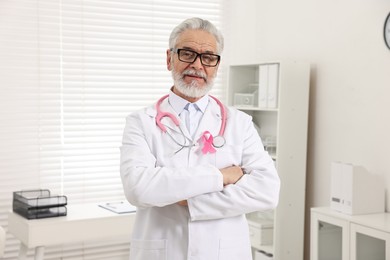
276 95
338 236
329 237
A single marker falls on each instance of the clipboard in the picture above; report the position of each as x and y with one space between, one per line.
119 207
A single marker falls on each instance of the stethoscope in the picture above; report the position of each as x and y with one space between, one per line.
217 141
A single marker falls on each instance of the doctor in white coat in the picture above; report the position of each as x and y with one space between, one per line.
192 166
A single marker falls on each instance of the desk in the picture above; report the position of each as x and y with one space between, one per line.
82 223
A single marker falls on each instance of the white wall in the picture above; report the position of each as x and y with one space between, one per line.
350 86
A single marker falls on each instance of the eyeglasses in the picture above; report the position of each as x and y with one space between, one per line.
188 56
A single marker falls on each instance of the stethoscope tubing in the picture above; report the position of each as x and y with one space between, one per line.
161 114
223 116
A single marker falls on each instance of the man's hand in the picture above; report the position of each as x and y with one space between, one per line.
231 174
183 203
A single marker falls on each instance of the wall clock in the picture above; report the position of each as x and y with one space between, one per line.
386 31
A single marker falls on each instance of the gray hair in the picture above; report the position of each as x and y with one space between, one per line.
196 24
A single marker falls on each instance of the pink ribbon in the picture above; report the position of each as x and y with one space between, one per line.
207 140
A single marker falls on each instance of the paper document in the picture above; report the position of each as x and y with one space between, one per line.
119 207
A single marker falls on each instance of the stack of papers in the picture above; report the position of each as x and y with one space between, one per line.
119 207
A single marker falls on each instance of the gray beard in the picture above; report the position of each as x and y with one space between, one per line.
191 90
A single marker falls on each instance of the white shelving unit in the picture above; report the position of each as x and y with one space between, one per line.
339 236
276 95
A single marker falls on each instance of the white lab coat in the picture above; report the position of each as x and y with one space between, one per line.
154 177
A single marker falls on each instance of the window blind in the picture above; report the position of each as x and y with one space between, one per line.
70 72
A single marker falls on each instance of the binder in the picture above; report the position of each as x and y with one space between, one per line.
273 82
263 86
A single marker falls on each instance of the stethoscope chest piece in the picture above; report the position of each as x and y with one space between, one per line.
219 141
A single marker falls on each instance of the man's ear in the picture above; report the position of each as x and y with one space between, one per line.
169 60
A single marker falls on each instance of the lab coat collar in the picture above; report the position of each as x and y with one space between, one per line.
167 107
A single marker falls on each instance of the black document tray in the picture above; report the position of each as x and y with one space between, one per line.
39 198
33 204
35 213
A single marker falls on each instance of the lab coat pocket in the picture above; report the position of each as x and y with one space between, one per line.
234 248
228 155
148 249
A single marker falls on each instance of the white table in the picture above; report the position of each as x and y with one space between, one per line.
82 223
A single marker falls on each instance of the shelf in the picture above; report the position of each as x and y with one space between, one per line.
268 249
274 157
276 96
247 108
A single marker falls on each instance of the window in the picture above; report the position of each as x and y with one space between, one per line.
70 72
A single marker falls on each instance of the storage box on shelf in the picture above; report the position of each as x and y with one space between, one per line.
261 230
276 95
